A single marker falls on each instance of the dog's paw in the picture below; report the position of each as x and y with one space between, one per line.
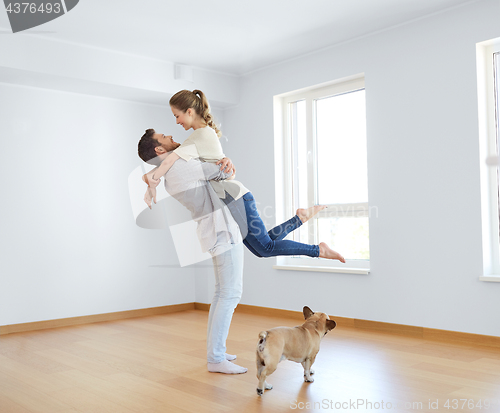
311 371
260 392
269 386
308 380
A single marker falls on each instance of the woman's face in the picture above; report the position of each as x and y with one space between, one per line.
185 119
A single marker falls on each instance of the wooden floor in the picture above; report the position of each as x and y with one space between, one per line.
158 364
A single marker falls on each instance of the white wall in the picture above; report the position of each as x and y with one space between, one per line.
69 244
45 62
70 247
423 165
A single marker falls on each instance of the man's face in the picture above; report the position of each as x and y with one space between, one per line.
166 142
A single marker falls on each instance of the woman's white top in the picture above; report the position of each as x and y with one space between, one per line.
204 144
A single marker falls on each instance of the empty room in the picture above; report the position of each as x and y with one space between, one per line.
225 206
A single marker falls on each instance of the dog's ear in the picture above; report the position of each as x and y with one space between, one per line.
330 325
307 312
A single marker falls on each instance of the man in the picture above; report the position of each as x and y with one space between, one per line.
217 232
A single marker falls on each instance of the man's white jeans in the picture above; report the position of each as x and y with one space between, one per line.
228 269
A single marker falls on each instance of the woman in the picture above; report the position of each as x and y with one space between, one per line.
192 111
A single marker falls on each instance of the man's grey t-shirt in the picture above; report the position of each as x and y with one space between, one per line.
187 182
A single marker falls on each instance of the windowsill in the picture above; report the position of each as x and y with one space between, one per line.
490 278
341 270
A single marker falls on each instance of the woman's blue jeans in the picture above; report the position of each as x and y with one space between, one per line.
270 243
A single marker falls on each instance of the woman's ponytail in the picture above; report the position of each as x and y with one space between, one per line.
205 112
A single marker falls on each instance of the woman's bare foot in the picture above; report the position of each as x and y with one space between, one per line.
326 252
306 214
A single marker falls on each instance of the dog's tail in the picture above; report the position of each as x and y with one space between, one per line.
262 341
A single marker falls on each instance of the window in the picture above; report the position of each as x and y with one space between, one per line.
488 68
322 159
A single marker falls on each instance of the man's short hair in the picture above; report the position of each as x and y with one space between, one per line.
146 148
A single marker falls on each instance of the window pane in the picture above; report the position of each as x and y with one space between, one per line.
341 148
496 63
299 172
496 82
348 236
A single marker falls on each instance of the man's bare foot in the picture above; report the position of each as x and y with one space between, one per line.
326 252
306 214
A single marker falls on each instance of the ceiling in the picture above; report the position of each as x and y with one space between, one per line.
228 36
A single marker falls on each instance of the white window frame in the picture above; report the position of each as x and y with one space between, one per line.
284 168
488 148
